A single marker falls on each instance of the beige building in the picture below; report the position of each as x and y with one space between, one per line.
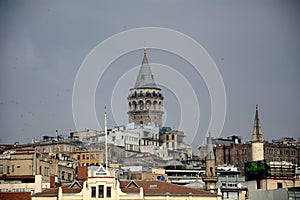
172 141
89 157
101 184
24 183
87 133
31 163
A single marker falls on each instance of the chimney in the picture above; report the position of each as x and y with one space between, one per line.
52 181
82 172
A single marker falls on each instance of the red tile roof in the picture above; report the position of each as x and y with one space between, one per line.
15 195
65 189
154 187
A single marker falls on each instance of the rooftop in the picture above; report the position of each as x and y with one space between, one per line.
155 187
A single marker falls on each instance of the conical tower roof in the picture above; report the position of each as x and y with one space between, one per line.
257 133
145 78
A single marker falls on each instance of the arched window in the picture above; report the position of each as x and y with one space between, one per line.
155 105
134 105
141 104
148 104
159 105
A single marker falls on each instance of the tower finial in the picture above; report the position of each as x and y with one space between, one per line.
145 48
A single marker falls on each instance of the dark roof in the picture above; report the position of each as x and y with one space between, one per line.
154 187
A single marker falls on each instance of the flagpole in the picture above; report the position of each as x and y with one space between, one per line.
105 131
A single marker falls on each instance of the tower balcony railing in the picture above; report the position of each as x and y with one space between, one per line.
149 95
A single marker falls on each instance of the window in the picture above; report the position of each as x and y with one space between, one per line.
100 191
259 184
279 185
108 192
63 175
93 192
46 171
1 169
69 176
12 168
8 170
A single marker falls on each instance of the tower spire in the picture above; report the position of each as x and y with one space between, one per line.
257 133
145 78
145 101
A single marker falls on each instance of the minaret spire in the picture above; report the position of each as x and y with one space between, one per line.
257 133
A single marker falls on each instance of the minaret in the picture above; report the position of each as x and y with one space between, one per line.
210 177
145 100
257 139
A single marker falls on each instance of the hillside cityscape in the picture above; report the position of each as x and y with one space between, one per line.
146 160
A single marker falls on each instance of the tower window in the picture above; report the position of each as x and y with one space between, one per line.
141 105
155 105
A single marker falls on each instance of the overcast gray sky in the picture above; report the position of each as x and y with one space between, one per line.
255 44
